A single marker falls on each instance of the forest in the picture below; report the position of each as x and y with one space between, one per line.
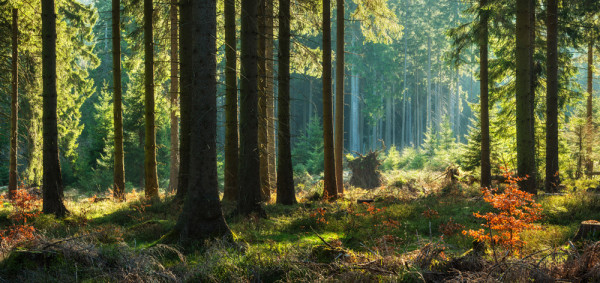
299 141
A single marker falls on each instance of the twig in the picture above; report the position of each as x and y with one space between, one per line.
321 238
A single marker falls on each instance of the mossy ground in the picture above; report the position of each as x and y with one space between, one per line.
311 241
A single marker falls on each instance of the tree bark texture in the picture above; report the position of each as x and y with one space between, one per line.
52 179
174 99
14 108
339 98
285 177
485 118
119 166
589 164
231 102
150 173
265 181
552 176
185 110
330 188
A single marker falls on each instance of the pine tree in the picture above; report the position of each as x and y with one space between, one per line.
330 189
150 173
119 166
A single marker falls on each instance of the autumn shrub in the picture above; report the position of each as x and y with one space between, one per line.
24 209
515 211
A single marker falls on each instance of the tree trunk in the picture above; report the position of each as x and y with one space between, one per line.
52 179
201 216
428 121
485 118
119 169
14 108
339 98
174 169
265 185
354 114
525 144
330 188
270 89
150 173
552 177
589 164
185 109
231 115
285 178
249 194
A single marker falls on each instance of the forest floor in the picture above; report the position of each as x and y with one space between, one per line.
412 231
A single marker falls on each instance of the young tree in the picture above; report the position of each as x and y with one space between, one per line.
249 193
119 165
52 179
201 216
174 170
525 138
14 108
483 76
150 173
339 98
231 97
285 178
552 176
330 189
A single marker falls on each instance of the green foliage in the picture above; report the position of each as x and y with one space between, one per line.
307 153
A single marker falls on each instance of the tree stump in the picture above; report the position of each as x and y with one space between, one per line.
365 172
589 229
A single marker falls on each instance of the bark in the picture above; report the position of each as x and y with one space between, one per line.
270 89
14 108
485 118
552 176
150 173
185 110
285 178
52 179
589 164
339 98
119 166
428 121
249 190
265 182
330 188
525 143
174 103
202 216
231 115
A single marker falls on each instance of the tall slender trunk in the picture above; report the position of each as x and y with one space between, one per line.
265 181
231 114
354 114
119 166
270 89
52 179
589 163
552 176
339 98
428 119
330 188
185 110
285 177
525 144
174 103
150 173
14 107
486 177
249 193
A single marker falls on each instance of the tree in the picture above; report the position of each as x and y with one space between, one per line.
339 98
265 94
285 178
119 165
201 216
14 108
185 109
483 76
330 189
249 193
174 170
52 179
552 175
231 111
589 164
150 173
525 130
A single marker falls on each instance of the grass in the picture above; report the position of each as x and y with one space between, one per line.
106 241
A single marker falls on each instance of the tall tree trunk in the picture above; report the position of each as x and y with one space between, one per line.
428 120
354 114
249 194
174 103
119 169
270 89
14 108
330 188
265 184
552 177
483 76
589 163
185 98
525 144
231 115
285 178
150 173
52 179
339 98
201 216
